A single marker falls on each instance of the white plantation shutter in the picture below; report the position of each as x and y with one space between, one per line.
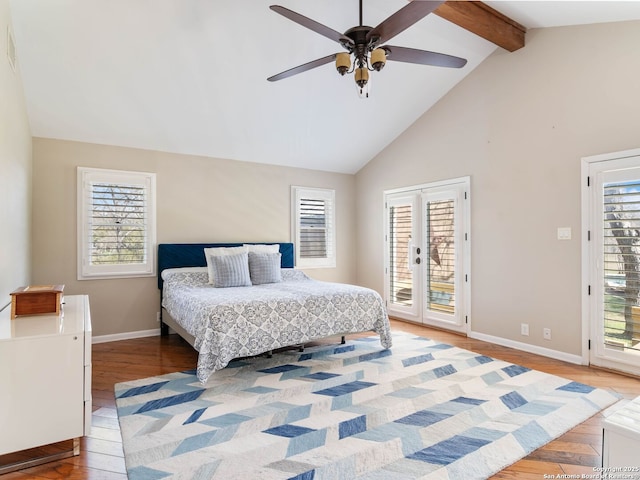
116 223
441 276
621 264
314 227
400 241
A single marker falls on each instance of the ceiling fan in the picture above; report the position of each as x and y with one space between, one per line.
365 44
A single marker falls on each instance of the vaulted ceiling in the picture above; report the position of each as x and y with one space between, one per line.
189 76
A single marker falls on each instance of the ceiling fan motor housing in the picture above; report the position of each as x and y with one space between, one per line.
359 44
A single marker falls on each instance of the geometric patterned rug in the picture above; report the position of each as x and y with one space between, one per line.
421 409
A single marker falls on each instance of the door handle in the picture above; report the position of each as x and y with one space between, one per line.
416 251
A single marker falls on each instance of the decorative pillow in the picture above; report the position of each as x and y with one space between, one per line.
217 251
264 268
230 270
262 248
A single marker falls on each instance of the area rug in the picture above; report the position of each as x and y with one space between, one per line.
421 409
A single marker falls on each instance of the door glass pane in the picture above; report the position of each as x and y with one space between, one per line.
441 274
621 264
400 272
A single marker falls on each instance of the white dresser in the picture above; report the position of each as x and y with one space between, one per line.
45 377
621 439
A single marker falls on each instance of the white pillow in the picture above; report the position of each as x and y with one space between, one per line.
262 248
217 251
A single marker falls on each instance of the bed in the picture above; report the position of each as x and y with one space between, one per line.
227 323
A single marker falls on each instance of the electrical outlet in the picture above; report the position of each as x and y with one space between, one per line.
524 329
546 333
158 317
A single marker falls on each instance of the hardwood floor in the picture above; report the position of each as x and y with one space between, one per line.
101 456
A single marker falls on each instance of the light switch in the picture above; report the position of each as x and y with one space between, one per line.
564 233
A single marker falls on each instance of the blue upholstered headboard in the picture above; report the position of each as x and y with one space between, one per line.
176 255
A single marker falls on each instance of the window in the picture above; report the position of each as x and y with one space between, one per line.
116 223
314 227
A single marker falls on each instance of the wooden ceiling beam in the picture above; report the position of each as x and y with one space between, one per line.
485 22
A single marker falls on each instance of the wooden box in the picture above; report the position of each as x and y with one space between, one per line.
36 299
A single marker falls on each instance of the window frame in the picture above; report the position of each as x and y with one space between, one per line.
324 194
87 176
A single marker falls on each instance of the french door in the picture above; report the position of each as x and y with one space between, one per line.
427 254
613 260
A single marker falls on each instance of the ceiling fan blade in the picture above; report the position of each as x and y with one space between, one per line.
311 24
303 68
423 57
401 20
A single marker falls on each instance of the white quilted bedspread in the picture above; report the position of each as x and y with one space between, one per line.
242 321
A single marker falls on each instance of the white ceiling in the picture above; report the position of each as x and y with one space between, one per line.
189 76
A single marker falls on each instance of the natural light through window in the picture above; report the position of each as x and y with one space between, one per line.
116 223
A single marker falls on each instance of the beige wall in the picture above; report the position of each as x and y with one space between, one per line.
15 173
198 200
518 125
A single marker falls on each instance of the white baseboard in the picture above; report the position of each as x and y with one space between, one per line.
525 347
126 336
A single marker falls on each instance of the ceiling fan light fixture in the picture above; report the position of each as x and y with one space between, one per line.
343 62
367 48
378 59
361 76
